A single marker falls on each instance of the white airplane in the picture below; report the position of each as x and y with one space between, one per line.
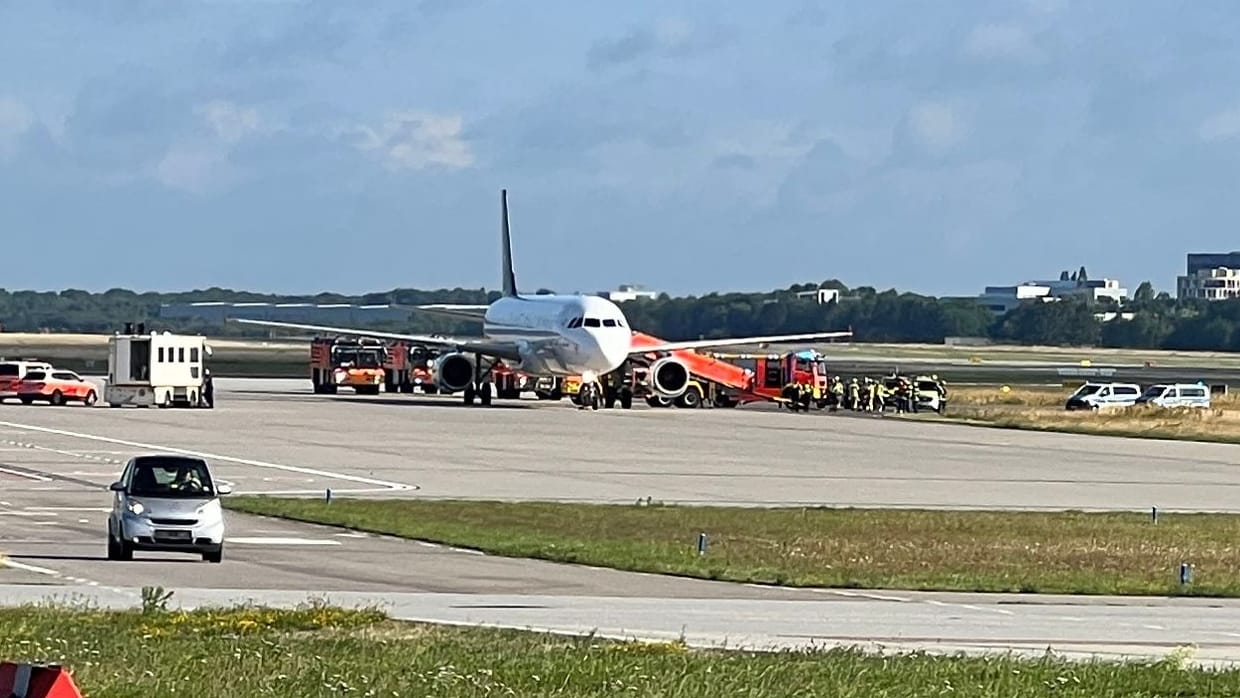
543 335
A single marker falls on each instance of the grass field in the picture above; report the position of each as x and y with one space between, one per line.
1076 553
322 651
1042 409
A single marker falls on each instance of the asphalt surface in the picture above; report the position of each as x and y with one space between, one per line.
274 437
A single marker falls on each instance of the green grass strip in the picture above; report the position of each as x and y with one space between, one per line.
1072 553
321 651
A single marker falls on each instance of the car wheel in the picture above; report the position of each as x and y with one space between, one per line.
58 398
124 551
216 557
90 399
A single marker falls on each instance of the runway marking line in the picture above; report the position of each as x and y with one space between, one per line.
6 562
281 541
33 476
381 485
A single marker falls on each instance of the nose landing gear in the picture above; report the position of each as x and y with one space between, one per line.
589 396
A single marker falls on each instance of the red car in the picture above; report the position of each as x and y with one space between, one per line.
56 387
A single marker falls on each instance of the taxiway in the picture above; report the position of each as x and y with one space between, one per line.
274 437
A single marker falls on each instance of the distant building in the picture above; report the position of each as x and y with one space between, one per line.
1001 299
628 292
1211 260
822 295
1209 283
316 313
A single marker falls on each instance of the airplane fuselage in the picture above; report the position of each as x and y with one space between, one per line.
561 335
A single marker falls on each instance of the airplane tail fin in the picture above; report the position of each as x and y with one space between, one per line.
510 278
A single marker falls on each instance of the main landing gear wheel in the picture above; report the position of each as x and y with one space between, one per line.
481 386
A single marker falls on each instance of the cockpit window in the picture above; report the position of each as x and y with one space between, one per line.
575 322
608 322
592 322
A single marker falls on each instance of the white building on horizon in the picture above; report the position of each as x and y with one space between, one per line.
1001 299
1211 283
629 292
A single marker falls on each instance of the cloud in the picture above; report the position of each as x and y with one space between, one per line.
734 161
668 38
228 121
16 120
189 167
416 140
1001 41
1219 126
933 126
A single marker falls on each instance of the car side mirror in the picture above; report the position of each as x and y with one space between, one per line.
224 489
117 487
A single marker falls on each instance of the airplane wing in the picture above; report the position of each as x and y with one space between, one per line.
454 311
704 343
473 346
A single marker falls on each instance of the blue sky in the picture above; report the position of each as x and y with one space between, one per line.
297 146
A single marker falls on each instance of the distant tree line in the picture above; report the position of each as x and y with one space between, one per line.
1157 320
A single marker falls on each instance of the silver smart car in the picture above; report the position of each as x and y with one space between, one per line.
166 503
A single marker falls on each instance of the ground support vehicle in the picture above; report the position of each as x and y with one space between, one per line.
927 392
56 387
12 372
407 367
1095 396
931 394
1173 395
344 362
158 369
549 388
509 384
166 503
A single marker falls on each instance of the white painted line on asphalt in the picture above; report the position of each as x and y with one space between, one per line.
379 485
6 562
282 541
33 476
68 509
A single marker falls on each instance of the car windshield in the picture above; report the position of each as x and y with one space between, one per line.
10 370
171 477
36 376
1087 389
1154 391
364 358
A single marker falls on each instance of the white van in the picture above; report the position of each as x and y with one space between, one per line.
1095 396
12 372
1177 395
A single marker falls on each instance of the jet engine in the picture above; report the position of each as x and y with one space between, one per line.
669 377
454 371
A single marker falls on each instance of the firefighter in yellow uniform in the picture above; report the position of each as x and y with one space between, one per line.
837 393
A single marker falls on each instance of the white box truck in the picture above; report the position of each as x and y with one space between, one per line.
160 369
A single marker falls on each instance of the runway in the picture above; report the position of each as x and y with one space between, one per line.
275 437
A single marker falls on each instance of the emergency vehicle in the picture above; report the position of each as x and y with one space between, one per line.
161 369
347 362
407 366
11 373
796 379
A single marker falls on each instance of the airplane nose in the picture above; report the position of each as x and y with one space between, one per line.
612 347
